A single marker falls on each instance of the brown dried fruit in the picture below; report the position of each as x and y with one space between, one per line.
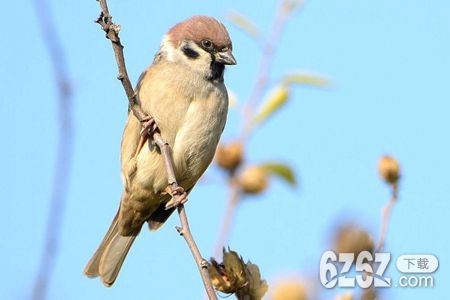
389 169
235 276
253 180
229 157
350 239
289 290
346 296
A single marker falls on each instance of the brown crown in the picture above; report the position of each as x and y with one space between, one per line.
198 28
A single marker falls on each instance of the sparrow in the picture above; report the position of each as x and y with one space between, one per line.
183 91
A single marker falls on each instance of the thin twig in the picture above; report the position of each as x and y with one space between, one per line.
184 230
228 217
112 33
260 85
58 198
264 66
385 216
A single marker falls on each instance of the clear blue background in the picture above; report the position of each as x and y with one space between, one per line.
389 61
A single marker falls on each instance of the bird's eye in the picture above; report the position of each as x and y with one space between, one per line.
207 44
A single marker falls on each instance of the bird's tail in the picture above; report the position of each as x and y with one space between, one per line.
109 257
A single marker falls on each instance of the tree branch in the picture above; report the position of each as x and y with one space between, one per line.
228 217
63 163
385 217
184 230
268 54
112 33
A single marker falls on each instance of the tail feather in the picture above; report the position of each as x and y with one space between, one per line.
92 267
108 259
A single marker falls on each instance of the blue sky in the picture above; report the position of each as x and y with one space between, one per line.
389 63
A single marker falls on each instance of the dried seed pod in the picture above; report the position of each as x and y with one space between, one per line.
229 157
289 290
369 294
389 169
219 277
350 239
235 268
253 180
346 296
257 287
236 276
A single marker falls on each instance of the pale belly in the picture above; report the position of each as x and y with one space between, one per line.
197 139
193 129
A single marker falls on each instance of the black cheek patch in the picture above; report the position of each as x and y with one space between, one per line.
191 53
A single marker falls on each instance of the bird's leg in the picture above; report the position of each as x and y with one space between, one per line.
148 128
179 196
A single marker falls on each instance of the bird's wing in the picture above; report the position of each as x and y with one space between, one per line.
131 138
130 141
131 134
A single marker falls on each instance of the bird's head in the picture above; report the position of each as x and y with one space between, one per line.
200 43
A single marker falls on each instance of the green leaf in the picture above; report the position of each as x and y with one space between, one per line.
307 79
243 23
275 100
283 171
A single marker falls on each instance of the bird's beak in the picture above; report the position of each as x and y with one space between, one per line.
225 58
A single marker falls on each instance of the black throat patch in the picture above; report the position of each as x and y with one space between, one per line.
217 69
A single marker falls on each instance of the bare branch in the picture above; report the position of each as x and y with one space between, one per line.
285 10
184 230
112 33
228 217
385 217
269 47
63 163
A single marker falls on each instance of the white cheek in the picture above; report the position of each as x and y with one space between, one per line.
200 64
166 46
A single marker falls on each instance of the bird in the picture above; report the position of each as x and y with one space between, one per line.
183 91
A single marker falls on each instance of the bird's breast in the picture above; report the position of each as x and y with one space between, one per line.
197 138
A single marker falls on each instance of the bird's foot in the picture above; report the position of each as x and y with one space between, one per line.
148 127
179 197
